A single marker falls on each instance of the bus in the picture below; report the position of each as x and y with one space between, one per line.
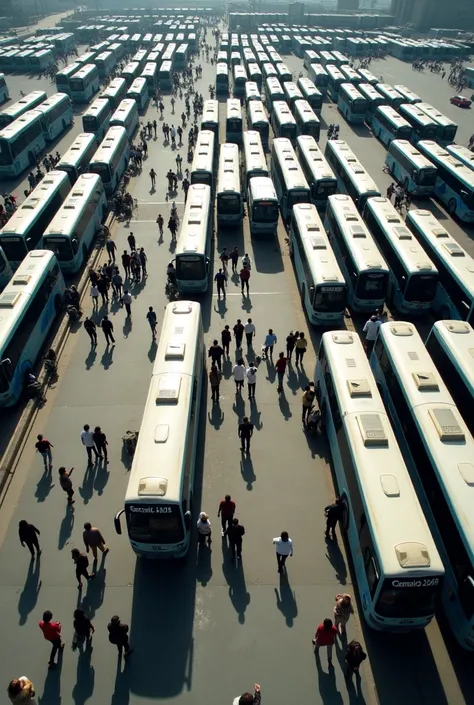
126 116
340 59
255 163
56 115
105 63
240 79
4 92
423 127
202 167
316 170
77 158
447 128
350 75
409 96
321 284
72 230
29 305
450 344
327 58
210 117
21 144
118 49
257 120
41 60
262 206
150 74
235 58
455 293
269 71
115 92
410 168
307 122
352 104
140 58
389 125
193 251
111 158
222 79
454 183
273 92
283 122
288 178
84 83
233 121
255 74
438 449
168 440
397 566
28 102
368 77
63 77
413 275
319 76
292 93
6 271
251 92
138 91
97 117
165 75
311 94
24 229
463 154
311 57
284 74
374 100
393 97
130 72
169 52
352 177
229 194
364 268
335 80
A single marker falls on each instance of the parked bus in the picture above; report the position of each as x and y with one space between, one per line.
72 230
115 92
450 344
150 74
454 183
284 74
374 100
410 168
319 76
409 96
368 77
234 124
97 117
327 58
130 72
165 75
352 104
262 206
56 115
438 449
6 271
126 116
393 97
105 63
28 102
321 284
240 79
462 154
273 92
41 60
316 170
288 178
111 158
202 167
84 83
222 79
229 194
413 275
311 94
4 92
311 57
351 75
254 73
210 117
21 144
307 122
138 91
292 93
193 250
335 80
158 510
447 128
63 77
255 163
77 158
269 71
258 121
352 177
389 125
251 93
423 127
397 566
364 268
283 122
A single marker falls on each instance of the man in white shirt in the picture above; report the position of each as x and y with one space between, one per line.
88 441
249 329
251 380
238 373
371 330
204 529
284 548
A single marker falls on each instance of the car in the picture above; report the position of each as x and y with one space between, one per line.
461 101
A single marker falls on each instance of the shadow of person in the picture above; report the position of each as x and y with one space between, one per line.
102 477
292 379
203 565
152 350
85 679
95 593
30 592
255 416
52 685
44 486
247 471
238 407
121 694
336 559
284 406
227 368
91 358
107 357
286 600
86 490
234 574
216 416
221 307
67 526
127 327
327 682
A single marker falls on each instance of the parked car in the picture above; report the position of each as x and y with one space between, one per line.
461 101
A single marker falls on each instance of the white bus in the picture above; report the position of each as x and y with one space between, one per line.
455 293
413 275
321 284
210 118
24 229
394 98
316 170
262 206
438 449
138 91
447 128
28 102
105 63
233 122
84 83
374 100
409 96
352 104
77 158
352 177
202 167
307 122
319 76
252 92
389 125
130 72
450 344
115 92
255 163
4 92
96 119
283 122
222 79
410 168
29 305
462 153
311 94
398 569
6 270
126 116
335 80
292 93
288 178
240 79
311 57
150 74
194 241
159 507
273 92
56 115
111 158
364 268
257 120
423 127
72 230
229 194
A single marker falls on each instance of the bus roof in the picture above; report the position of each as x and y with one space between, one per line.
193 232
114 136
80 145
66 218
414 112
325 269
458 337
433 151
435 114
203 152
314 158
24 102
261 187
414 155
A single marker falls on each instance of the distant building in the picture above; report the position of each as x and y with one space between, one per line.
347 4
424 14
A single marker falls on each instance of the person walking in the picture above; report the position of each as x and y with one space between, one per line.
94 540
91 329
81 563
245 432
118 635
152 320
108 328
220 279
224 258
21 691
226 512
87 439
52 633
101 443
127 302
66 483
173 135
94 291
325 636
43 447
291 339
280 367
284 548
215 353
270 340
28 534
83 630
117 284
342 611
300 348
246 262
248 698
215 378
244 279
238 334
234 258
204 529
251 374
153 178
235 533
249 329
143 260
238 373
371 329
353 658
132 243
103 289
226 337
155 127
307 401
126 263
161 221
333 513
111 248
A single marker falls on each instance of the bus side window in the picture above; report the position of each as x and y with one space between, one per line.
371 571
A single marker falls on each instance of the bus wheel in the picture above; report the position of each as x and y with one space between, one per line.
344 523
452 207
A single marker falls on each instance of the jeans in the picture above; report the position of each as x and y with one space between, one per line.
236 546
56 647
245 443
225 522
93 336
82 572
128 309
47 458
251 388
299 354
89 450
215 393
280 376
102 450
249 337
102 548
109 337
239 385
244 283
238 342
217 361
329 648
226 348
269 348
220 290
281 560
32 545
289 352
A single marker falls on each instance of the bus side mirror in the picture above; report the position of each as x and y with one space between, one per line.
75 245
117 523
187 520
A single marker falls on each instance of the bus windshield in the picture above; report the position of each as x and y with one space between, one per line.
14 248
265 212
155 524
61 247
414 597
330 298
421 287
372 285
229 203
297 197
426 177
190 267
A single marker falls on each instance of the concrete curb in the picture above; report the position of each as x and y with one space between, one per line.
32 406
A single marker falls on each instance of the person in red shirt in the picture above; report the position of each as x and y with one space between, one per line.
226 512
325 636
43 447
52 632
280 367
244 279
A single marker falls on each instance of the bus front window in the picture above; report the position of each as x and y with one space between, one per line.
410 597
426 177
404 133
229 203
265 213
155 524
61 247
330 299
421 287
103 171
297 197
372 286
190 268
14 248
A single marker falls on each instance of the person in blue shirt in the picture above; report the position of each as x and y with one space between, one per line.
220 280
270 340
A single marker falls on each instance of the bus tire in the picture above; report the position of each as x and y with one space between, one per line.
344 522
452 207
